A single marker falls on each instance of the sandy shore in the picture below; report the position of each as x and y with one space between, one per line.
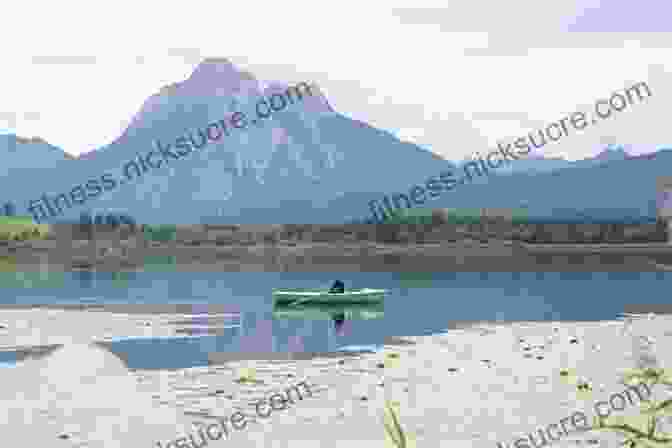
498 383
83 395
472 386
25 325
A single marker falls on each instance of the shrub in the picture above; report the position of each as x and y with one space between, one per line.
247 376
19 228
646 435
162 233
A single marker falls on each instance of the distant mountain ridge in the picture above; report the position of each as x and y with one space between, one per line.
20 152
615 191
292 167
305 164
538 163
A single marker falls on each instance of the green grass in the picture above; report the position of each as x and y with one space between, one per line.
410 216
247 376
393 428
25 220
21 228
159 263
162 233
11 278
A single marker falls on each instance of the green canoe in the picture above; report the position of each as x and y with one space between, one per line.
307 295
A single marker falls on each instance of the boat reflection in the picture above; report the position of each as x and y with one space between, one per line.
338 313
335 312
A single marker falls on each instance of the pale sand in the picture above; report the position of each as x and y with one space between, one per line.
88 393
48 326
510 396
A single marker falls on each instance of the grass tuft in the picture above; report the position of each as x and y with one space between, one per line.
19 228
394 430
642 430
247 376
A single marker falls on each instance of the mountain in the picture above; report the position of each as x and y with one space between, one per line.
20 152
532 163
306 163
540 164
613 191
611 153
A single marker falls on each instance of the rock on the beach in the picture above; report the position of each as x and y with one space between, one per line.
86 393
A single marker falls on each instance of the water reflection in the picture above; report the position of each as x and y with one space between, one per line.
12 277
159 263
92 279
339 314
334 312
339 320
412 280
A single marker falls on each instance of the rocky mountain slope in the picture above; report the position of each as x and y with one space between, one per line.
304 164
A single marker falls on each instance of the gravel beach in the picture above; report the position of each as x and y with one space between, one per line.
475 385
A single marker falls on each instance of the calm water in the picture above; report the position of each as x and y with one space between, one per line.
416 304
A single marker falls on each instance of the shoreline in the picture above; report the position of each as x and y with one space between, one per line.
462 256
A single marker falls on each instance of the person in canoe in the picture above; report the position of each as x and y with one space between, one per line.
338 288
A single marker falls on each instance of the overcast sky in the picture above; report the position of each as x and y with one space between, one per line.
453 76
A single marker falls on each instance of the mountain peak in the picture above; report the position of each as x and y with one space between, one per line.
612 152
219 72
210 66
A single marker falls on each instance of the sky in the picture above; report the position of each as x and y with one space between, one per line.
454 77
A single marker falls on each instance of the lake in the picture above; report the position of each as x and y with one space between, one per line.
417 304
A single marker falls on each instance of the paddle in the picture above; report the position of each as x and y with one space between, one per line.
300 300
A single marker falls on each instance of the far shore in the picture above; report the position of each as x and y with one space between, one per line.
466 255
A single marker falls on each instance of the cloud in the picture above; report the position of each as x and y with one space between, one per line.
623 16
522 17
63 60
431 67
